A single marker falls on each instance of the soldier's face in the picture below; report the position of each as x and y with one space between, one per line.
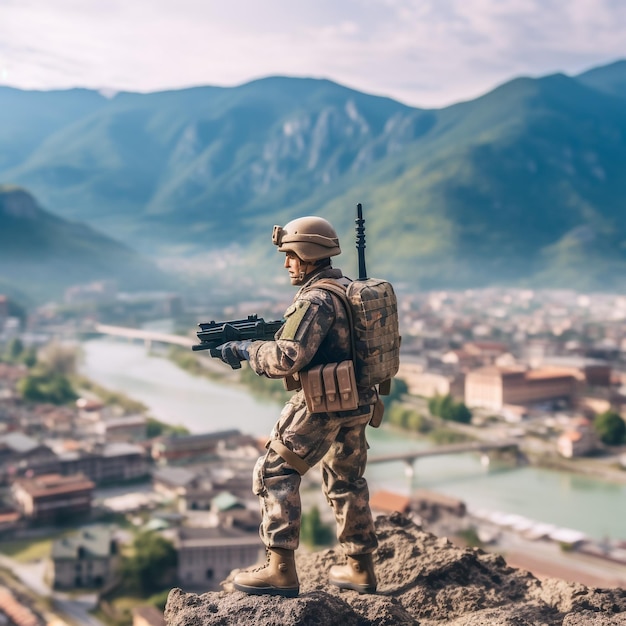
296 268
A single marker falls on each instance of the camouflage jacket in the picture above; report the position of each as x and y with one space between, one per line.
316 331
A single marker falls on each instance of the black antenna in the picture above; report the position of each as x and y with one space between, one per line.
360 241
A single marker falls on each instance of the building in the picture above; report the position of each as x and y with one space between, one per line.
10 374
494 387
579 440
205 488
107 463
53 498
485 352
10 519
427 384
386 502
56 421
460 359
411 367
121 429
21 454
88 559
206 556
592 372
191 490
188 448
172 481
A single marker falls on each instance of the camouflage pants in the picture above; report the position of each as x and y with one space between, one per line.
339 443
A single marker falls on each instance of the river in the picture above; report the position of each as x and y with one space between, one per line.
172 395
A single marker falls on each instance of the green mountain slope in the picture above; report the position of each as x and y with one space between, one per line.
41 254
29 117
521 186
610 78
172 165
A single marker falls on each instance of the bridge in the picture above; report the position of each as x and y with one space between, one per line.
410 457
147 336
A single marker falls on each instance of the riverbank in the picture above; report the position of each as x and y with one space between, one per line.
605 465
198 364
431 430
605 468
201 405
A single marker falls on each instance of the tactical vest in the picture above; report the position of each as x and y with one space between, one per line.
372 309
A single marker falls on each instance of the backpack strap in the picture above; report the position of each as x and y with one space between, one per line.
328 284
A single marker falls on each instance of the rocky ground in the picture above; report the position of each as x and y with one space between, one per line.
423 580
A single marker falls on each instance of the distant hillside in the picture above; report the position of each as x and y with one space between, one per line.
521 186
41 254
192 166
610 78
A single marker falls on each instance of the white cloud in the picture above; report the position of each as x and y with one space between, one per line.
425 52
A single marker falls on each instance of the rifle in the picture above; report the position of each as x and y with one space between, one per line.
213 334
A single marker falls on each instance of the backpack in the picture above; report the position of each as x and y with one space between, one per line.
372 309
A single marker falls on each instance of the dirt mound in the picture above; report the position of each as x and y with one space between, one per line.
423 580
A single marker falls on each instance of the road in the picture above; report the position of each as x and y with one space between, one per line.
75 608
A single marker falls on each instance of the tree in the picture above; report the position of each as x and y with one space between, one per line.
14 350
313 531
610 427
416 423
155 428
459 413
446 408
29 357
399 388
42 386
153 562
59 359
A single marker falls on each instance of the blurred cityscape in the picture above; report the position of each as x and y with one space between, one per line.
105 508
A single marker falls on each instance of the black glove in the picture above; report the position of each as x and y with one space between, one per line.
233 352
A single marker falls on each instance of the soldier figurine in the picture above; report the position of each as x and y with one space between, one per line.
316 331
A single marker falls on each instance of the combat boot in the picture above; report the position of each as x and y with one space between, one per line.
278 577
358 574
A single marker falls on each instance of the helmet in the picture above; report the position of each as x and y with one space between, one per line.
311 238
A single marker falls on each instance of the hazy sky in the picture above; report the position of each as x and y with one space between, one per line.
422 52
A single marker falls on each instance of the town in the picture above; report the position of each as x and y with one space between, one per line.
104 508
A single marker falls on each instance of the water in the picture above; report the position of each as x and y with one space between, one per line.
172 395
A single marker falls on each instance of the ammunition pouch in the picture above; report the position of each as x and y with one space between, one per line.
330 388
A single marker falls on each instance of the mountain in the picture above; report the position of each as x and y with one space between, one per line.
609 78
171 166
521 186
34 115
41 254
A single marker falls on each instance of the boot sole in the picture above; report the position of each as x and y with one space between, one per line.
268 591
354 586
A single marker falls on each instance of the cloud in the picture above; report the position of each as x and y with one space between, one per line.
424 52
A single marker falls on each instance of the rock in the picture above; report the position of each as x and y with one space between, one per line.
423 580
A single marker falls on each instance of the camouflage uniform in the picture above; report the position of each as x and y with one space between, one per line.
316 331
